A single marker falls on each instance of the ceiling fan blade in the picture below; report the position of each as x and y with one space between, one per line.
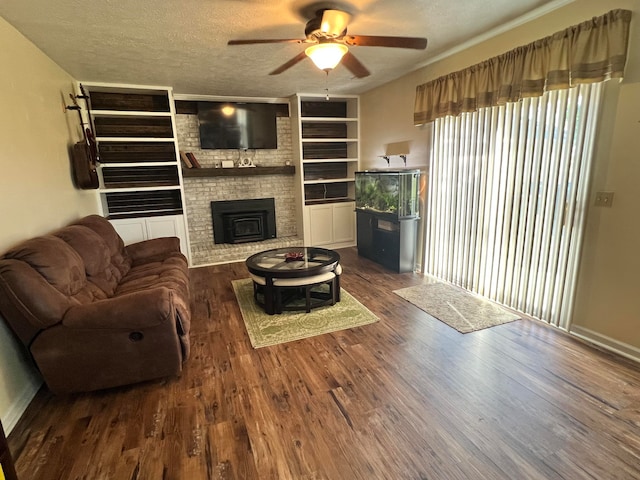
298 58
418 43
334 22
272 40
354 65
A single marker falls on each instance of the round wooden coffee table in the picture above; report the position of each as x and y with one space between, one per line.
290 263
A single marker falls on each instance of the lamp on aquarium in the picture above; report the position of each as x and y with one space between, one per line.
400 149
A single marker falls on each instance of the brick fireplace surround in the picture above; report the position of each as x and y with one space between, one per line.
200 192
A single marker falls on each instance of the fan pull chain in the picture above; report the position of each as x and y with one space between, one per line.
326 83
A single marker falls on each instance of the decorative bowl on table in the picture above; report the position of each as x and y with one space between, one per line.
293 256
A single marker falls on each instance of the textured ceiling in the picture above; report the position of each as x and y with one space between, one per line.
183 43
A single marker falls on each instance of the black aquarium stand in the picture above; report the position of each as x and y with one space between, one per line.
387 240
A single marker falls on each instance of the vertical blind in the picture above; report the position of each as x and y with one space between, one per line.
507 196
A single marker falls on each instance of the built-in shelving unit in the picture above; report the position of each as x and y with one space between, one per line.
327 135
139 165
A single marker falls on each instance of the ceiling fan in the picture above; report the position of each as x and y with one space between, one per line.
327 32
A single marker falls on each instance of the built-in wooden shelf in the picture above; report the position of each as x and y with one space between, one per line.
238 171
321 201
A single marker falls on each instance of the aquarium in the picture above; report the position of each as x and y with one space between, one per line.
393 192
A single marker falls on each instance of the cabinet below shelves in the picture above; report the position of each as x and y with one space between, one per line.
331 224
133 230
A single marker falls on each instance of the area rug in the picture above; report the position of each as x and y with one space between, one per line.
457 308
265 330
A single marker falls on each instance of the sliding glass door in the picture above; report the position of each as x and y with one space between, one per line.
507 195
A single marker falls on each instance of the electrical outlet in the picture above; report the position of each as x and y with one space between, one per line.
604 199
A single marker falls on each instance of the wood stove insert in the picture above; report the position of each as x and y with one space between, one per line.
240 221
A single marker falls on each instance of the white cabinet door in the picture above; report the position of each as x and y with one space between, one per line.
321 224
344 222
134 230
331 224
131 230
168 226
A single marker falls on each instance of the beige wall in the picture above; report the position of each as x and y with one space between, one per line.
36 191
607 300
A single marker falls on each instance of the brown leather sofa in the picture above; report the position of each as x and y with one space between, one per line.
96 314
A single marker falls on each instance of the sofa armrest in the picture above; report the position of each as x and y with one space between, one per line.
133 311
153 248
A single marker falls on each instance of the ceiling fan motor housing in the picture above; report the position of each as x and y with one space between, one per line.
314 27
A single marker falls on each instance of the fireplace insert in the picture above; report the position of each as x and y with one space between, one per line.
240 221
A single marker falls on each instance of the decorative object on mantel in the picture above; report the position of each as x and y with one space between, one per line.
194 161
246 159
245 162
185 160
227 164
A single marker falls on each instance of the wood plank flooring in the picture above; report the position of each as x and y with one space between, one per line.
405 398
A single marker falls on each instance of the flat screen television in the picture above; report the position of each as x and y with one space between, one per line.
237 125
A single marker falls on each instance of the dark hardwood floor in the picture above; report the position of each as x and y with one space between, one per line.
405 398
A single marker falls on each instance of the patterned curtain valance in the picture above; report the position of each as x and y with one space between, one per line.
593 51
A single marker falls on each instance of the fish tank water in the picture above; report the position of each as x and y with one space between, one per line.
392 192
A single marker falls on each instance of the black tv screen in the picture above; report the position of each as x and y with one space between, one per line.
237 125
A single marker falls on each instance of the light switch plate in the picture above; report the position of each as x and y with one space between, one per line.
604 199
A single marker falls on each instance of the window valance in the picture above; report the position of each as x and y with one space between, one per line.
592 51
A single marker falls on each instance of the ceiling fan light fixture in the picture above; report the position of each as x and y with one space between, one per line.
228 110
326 56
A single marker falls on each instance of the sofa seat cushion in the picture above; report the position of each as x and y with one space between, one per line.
156 249
156 274
171 273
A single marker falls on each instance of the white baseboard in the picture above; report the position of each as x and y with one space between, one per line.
20 404
608 343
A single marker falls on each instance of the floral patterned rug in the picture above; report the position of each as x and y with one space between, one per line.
265 330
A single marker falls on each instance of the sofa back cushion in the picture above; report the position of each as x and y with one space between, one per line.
93 250
39 280
118 256
96 256
54 259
